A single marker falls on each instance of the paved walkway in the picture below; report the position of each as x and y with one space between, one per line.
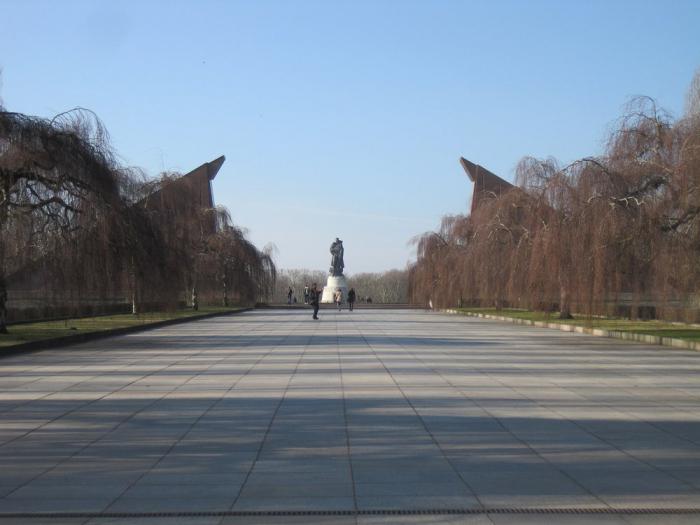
369 411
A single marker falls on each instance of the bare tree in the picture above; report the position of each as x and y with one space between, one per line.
386 287
234 263
296 279
692 100
77 228
617 234
56 176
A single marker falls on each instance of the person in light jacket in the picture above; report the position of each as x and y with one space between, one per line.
339 298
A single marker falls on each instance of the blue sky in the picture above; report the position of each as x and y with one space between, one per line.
346 118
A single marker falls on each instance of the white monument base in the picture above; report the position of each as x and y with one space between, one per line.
334 282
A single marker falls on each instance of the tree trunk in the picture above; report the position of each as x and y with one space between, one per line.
225 285
195 299
564 299
134 299
3 306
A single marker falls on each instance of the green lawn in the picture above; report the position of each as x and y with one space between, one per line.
22 333
656 328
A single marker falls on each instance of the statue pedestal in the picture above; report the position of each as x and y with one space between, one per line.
334 282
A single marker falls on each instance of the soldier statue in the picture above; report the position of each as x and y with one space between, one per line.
337 263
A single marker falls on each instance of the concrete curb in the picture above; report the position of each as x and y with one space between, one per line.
331 306
57 342
599 332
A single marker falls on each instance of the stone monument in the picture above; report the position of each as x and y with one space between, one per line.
336 279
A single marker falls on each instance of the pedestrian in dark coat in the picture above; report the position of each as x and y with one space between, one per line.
351 298
314 299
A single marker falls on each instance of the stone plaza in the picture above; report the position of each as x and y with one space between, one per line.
438 418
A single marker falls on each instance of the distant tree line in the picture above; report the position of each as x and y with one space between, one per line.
616 234
385 287
78 230
296 279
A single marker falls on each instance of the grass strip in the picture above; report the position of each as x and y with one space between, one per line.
654 328
29 332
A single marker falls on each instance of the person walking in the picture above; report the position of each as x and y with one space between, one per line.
339 298
290 293
306 294
314 298
351 299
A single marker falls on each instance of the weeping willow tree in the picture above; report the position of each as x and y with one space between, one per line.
76 226
234 269
56 177
205 256
620 228
179 227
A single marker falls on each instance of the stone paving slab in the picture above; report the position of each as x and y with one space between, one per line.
362 411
